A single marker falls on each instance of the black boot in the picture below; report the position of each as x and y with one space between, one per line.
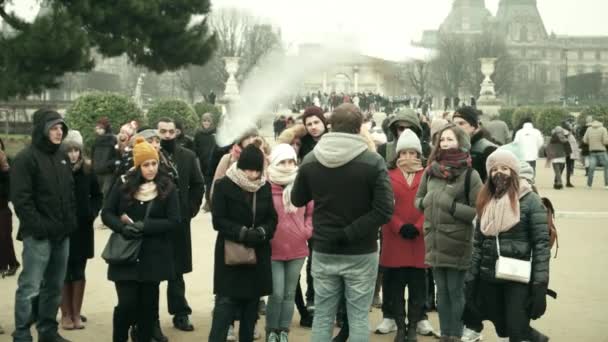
401 330
537 336
120 326
411 333
157 333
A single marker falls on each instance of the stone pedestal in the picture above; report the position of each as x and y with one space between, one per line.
488 102
231 92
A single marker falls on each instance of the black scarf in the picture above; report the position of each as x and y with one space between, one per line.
168 145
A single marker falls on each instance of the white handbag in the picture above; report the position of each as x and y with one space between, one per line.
512 269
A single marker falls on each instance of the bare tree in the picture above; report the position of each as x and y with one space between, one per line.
419 77
239 35
449 68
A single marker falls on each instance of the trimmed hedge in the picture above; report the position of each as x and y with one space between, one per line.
176 110
84 113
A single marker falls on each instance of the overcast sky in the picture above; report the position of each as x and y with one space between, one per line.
383 28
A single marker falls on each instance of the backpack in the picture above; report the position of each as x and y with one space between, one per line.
551 224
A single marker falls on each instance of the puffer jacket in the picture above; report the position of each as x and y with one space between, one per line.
448 219
596 137
530 237
293 230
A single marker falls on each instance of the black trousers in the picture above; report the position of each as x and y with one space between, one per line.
505 304
569 169
137 305
176 297
396 280
224 312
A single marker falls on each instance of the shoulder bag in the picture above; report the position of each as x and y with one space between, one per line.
122 251
512 269
237 253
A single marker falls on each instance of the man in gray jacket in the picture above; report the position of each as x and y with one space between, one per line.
353 197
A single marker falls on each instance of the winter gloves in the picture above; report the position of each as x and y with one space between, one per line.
252 236
538 301
133 231
409 231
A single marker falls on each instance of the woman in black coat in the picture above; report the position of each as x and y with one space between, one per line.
143 205
238 218
512 220
88 203
8 259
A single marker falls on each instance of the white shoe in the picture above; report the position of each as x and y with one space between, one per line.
387 326
469 335
231 336
425 328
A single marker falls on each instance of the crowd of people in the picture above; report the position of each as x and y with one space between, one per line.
437 207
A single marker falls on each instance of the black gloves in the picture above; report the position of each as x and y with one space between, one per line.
133 231
409 231
252 236
538 301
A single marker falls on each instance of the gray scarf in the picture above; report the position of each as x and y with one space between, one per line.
337 149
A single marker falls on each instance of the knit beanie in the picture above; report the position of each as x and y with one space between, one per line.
282 152
409 141
73 140
469 114
252 158
314 111
143 151
503 157
526 171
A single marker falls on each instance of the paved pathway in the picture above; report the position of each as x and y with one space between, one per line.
579 275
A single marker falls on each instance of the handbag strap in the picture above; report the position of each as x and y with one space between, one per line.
254 204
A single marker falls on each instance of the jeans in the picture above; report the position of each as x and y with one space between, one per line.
396 280
279 311
594 159
224 312
450 300
176 297
337 276
137 304
569 170
505 304
39 286
558 170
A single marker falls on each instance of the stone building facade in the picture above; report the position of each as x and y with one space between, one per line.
541 57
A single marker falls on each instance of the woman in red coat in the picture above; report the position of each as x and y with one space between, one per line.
403 251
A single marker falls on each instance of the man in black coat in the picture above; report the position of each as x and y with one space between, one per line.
316 125
467 118
185 169
42 192
204 145
350 187
104 154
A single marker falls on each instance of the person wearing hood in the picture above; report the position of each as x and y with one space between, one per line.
204 143
144 205
402 254
350 187
88 203
104 154
531 140
447 196
597 139
406 118
289 244
42 192
467 118
243 213
8 260
498 130
188 178
511 222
